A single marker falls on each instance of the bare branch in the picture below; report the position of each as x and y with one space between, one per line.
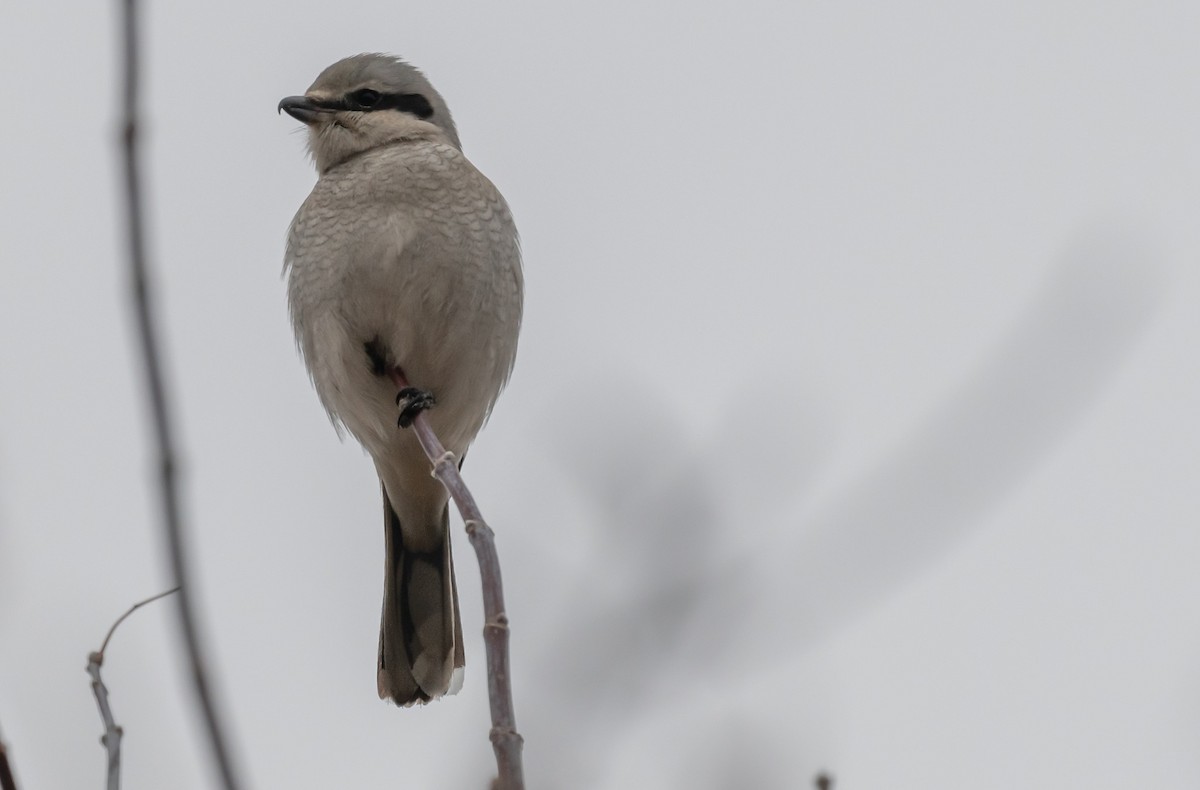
7 782
112 733
172 520
128 612
111 739
506 741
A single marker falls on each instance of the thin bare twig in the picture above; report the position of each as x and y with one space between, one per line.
172 520
111 739
7 782
112 732
506 741
128 612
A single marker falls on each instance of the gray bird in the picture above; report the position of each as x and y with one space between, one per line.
406 256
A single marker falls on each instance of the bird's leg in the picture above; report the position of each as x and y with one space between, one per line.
412 401
377 355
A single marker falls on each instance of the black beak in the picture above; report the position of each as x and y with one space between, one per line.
301 108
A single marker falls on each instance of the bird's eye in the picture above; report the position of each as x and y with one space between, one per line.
365 98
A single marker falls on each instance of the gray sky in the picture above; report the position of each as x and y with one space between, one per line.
853 425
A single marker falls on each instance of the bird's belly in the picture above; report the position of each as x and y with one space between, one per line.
447 325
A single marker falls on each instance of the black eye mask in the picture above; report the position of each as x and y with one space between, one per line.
367 100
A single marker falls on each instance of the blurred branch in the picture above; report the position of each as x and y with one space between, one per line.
976 447
112 733
121 619
172 521
7 782
111 739
506 741
823 781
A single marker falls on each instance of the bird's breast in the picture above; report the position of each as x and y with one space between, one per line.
416 249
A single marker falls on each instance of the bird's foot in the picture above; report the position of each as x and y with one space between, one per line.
412 401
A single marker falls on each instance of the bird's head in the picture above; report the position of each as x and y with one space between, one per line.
365 101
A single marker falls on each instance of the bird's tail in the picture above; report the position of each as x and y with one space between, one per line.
420 638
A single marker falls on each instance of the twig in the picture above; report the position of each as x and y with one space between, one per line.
7 782
172 521
506 741
112 732
111 739
130 611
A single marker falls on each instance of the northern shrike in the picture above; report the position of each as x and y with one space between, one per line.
405 256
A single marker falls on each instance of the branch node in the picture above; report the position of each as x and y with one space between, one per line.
501 735
444 460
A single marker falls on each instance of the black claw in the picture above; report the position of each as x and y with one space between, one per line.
412 402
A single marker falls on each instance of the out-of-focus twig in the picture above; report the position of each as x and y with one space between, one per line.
128 612
823 781
506 741
112 732
171 517
111 739
7 782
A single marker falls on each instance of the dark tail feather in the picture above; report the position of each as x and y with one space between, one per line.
420 638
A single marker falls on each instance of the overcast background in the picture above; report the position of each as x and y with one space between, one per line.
853 427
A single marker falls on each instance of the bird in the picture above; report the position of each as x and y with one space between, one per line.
404 257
